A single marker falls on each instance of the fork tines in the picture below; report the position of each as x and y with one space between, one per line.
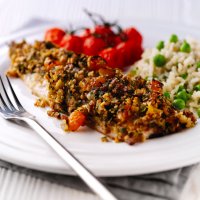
6 103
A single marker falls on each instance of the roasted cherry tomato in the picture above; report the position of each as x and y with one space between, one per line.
93 45
54 35
118 49
138 53
117 40
86 33
72 43
110 55
133 34
104 31
128 52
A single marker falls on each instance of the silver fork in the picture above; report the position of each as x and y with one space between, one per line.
10 111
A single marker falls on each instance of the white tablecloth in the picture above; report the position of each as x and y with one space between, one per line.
14 13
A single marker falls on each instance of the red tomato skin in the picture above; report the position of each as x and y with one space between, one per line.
92 45
72 43
96 62
135 51
104 31
133 34
138 53
117 40
86 33
121 54
110 56
128 52
54 35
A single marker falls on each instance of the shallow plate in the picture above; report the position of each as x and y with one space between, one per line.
22 146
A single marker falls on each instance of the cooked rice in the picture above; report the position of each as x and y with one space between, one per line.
178 64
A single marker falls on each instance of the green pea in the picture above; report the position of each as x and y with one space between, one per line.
173 38
189 94
198 65
179 104
184 76
180 88
185 47
197 87
167 95
198 112
182 95
160 45
159 60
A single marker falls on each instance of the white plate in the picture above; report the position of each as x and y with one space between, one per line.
22 146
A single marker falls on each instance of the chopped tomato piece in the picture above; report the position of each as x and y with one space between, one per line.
76 119
156 86
49 65
98 81
96 62
106 72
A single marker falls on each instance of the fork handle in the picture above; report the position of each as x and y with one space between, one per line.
87 176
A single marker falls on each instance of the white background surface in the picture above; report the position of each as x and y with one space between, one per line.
14 13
